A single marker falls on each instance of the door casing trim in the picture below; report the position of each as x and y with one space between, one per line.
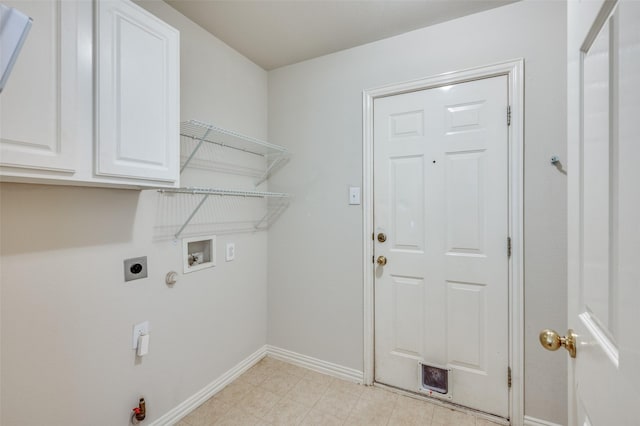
514 70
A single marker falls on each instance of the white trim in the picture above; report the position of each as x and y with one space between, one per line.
605 343
315 364
367 221
193 402
532 421
515 72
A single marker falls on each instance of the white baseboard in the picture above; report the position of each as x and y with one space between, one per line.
316 364
532 421
178 413
193 402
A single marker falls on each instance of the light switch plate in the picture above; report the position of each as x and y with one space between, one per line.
354 195
231 252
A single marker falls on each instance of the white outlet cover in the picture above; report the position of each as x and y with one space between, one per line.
138 330
230 252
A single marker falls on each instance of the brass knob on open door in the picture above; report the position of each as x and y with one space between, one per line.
551 341
381 260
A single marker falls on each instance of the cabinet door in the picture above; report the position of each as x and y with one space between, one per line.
137 96
38 104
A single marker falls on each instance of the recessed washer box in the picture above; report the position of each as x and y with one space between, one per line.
198 253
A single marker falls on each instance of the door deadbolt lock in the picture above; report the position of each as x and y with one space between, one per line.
382 238
551 341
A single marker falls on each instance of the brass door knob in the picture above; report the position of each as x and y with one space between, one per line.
381 260
551 341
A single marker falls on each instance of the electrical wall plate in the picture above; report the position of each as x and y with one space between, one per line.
230 252
354 195
139 330
135 268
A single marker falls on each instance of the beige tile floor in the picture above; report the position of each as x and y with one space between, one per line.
277 393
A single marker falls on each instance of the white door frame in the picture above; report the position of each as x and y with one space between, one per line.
514 70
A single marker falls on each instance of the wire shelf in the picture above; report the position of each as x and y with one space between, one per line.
260 224
226 192
216 135
201 132
275 156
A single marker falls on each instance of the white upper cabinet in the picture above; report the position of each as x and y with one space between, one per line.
93 98
137 94
37 106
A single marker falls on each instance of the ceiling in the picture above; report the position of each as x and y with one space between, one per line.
274 33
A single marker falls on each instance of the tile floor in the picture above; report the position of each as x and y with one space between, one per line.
277 393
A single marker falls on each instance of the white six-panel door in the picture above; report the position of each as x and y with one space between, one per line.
604 209
441 199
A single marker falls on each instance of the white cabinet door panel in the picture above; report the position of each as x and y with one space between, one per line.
137 104
38 104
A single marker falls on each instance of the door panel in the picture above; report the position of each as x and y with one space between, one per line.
604 206
466 333
408 314
407 208
465 202
597 180
441 180
405 125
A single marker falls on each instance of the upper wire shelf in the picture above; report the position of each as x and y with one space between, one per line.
274 155
208 133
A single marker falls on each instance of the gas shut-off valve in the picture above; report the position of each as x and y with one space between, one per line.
139 412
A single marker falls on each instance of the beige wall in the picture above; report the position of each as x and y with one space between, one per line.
315 250
67 315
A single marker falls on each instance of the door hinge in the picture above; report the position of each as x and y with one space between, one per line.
508 246
509 115
509 377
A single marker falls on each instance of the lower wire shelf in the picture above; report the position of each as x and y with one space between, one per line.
227 192
207 192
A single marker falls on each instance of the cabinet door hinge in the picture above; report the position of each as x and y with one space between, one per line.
508 246
509 115
509 377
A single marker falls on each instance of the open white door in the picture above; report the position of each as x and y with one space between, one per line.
604 212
